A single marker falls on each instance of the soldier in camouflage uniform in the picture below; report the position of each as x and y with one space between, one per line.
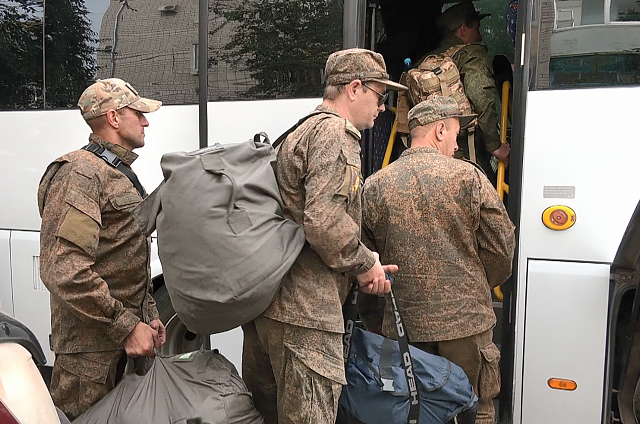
443 224
292 358
94 257
460 25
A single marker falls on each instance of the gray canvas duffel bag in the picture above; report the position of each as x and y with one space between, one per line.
223 242
176 390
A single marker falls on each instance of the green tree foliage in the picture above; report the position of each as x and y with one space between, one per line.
70 63
283 44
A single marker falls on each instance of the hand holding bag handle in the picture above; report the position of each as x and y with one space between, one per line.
350 316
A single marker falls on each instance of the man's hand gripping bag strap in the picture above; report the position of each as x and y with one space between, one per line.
350 316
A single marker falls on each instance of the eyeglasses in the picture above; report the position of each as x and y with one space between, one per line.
383 97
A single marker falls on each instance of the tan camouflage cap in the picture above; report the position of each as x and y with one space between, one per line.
113 93
458 14
436 109
345 66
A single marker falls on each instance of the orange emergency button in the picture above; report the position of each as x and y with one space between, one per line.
562 384
558 217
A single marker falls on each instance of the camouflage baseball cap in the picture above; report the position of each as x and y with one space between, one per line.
458 14
436 109
113 93
345 66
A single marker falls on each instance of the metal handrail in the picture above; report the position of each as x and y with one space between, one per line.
392 139
501 186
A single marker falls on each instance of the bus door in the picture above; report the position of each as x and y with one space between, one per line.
577 63
404 32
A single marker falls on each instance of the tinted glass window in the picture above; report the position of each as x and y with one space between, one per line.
258 49
585 43
264 49
47 53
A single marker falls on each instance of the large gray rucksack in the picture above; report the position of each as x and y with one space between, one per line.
192 385
222 240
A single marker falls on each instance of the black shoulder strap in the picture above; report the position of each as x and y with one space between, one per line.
350 313
293 128
113 160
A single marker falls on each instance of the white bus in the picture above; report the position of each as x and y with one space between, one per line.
570 313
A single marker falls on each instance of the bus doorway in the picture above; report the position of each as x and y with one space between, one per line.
404 32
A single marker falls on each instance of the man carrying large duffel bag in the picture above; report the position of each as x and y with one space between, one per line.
292 359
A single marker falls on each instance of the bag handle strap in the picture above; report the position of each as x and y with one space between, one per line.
284 135
113 160
350 316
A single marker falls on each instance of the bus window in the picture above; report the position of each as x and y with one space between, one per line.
258 49
585 43
265 49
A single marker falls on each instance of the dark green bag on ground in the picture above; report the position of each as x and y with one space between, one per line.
222 240
192 385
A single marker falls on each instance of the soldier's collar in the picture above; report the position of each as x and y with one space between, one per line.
348 126
418 150
127 156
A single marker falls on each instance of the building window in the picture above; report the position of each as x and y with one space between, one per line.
195 58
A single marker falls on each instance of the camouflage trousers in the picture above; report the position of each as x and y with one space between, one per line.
80 380
479 358
294 373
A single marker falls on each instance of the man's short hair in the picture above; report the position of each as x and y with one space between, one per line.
332 92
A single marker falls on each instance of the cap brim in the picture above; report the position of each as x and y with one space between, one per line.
465 120
390 84
481 16
145 105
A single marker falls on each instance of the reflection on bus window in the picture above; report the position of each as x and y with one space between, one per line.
47 53
586 43
258 49
271 48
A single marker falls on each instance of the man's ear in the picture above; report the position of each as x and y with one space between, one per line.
113 118
440 129
462 31
352 88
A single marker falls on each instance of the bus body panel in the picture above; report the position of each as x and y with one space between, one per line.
32 139
6 302
584 155
30 296
601 168
564 339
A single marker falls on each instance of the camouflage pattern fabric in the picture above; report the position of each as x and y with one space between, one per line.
476 73
443 224
319 176
479 357
437 109
426 82
81 379
344 66
94 258
294 373
113 93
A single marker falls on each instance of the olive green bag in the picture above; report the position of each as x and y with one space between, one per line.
223 242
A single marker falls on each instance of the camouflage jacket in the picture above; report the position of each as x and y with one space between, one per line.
94 258
440 220
318 171
476 73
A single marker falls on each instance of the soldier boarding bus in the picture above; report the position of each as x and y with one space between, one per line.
567 318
